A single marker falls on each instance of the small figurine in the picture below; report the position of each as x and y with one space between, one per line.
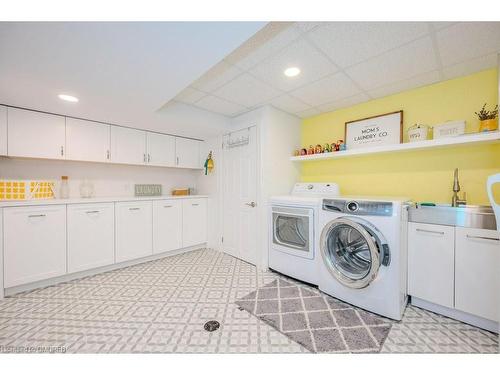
296 152
327 148
318 149
310 150
303 151
334 147
341 145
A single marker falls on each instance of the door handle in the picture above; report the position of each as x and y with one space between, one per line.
483 238
40 215
251 204
93 212
134 208
429 231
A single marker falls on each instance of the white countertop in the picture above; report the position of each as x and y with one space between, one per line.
43 202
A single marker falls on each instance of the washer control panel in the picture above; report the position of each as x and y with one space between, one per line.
362 208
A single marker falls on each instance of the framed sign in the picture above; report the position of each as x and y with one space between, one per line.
386 129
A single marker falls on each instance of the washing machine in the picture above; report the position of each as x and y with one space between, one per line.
363 253
293 226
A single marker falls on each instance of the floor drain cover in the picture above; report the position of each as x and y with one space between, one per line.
211 325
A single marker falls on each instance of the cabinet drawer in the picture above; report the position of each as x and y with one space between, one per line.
91 236
431 263
194 221
34 243
167 225
477 259
134 230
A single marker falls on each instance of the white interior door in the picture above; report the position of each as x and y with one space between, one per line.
239 181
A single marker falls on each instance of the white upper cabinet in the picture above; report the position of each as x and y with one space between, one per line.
36 135
3 130
477 276
187 153
87 140
161 150
128 146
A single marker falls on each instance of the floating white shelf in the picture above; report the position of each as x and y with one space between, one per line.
462 140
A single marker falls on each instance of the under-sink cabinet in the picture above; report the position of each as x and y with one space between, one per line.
34 243
91 240
431 256
134 229
454 271
477 280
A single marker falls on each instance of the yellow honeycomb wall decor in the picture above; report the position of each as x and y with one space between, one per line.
26 189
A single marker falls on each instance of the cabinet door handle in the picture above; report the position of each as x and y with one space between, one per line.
483 238
195 204
167 206
62 150
149 158
93 212
430 231
134 208
144 157
107 154
39 215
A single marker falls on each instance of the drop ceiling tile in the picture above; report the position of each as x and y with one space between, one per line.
269 41
332 88
349 43
407 84
470 66
189 95
289 104
216 77
402 63
218 105
468 40
308 113
344 103
247 91
312 63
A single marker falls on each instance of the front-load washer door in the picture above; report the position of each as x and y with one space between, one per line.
352 252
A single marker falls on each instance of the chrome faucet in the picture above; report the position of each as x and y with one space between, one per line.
455 200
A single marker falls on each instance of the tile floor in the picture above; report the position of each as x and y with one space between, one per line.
161 306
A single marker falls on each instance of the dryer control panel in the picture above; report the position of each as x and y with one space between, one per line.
361 208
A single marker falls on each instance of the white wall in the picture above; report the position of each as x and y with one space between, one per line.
108 179
209 185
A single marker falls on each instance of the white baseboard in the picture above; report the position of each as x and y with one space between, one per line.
78 275
489 325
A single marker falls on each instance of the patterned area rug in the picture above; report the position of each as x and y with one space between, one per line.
316 321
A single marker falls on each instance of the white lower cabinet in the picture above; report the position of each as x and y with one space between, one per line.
477 272
167 225
91 236
34 244
194 222
134 229
431 261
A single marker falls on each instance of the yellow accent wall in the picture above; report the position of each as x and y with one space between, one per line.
425 175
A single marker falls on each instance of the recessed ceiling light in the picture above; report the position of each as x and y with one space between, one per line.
68 98
292 72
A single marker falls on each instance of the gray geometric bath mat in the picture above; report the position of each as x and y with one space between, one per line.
316 321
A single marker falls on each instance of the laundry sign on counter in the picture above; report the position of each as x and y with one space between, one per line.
381 130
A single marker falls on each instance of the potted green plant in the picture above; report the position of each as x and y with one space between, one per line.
488 120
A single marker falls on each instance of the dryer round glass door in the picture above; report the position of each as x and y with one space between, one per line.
350 252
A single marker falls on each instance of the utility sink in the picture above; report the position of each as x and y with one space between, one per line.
468 216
